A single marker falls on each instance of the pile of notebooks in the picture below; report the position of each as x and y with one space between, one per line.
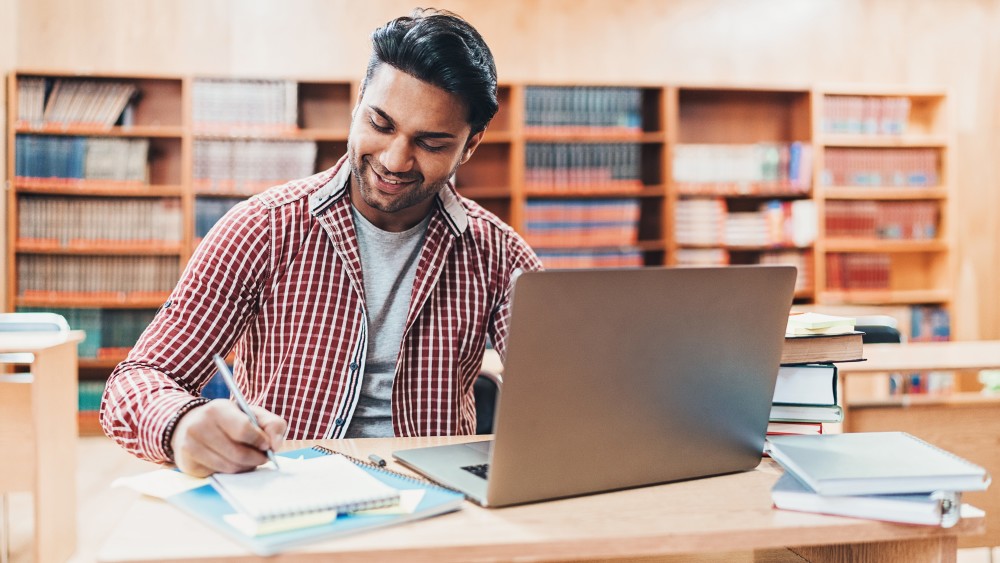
805 395
891 476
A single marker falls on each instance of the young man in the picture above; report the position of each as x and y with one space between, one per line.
359 300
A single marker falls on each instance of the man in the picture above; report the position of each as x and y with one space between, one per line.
359 300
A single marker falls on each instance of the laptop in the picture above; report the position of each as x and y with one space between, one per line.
624 378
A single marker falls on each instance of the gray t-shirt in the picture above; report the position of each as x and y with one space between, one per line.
388 266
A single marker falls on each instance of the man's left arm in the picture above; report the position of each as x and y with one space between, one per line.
519 257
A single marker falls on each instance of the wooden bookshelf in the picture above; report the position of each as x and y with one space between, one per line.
169 113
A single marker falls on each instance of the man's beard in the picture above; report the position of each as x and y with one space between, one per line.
414 194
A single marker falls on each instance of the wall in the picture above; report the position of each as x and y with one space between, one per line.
757 42
8 61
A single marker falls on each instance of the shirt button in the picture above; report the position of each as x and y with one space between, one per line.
339 421
354 366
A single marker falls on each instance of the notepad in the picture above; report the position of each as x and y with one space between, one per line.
871 463
327 484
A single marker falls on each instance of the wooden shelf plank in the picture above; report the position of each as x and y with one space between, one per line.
122 301
137 248
648 191
595 137
884 192
883 297
96 188
138 131
883 141
237 133
884 245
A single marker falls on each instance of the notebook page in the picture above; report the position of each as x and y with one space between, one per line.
326 483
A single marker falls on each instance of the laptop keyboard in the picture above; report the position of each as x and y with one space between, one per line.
478 470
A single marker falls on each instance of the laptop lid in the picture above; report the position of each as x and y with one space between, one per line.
623 378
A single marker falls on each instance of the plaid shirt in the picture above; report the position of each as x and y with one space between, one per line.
279 277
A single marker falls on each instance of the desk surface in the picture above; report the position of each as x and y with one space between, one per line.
927 356
727 513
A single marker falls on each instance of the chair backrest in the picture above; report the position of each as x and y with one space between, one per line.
878 329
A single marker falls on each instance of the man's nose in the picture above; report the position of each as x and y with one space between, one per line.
397 156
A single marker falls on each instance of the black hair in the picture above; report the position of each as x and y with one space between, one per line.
440 48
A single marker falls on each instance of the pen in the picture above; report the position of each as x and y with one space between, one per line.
227 376
376 460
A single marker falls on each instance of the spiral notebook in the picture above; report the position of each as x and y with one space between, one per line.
270 536
326 484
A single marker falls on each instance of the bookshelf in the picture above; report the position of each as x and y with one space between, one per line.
883 190
592 175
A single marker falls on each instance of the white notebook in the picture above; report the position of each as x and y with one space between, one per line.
321 484
872 463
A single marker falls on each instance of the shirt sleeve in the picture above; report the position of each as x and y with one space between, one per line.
206 313
519 257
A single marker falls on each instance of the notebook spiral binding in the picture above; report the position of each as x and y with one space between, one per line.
398 475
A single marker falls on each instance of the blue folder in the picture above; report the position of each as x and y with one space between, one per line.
205 504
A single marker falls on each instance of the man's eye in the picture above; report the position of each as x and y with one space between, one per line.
377 127
430 146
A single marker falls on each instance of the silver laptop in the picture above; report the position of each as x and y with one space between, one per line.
623 378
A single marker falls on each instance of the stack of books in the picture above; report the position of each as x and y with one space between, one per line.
891 476
805 395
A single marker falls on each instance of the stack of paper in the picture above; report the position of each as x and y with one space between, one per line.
800 324
890 476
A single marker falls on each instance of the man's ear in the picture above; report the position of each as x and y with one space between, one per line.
470 145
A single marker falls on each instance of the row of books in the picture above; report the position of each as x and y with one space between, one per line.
558 259
60 102
581 222
895 220
110 333
866 115
775 223
208 211
65 222
801 259
47 276
892 476
267 106
581 109
250 166
916 168
583 166
743 169
847 270
81 158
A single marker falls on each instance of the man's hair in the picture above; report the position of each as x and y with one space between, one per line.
440 48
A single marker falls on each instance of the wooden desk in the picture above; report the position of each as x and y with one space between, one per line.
731 513
967 424
38 433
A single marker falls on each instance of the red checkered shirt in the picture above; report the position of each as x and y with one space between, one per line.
279 278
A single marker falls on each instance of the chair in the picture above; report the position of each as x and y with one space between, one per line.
486 390
21 322
878 329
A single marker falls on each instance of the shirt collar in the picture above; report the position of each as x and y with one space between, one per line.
447 199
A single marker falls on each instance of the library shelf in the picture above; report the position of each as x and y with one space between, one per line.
100 363
629 159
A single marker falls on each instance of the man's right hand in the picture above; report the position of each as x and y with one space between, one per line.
218 437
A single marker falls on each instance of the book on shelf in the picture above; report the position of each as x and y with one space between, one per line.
822 348
417 499
808 385
938 508
806 413
874 463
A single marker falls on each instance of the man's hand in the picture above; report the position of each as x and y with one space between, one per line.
218 437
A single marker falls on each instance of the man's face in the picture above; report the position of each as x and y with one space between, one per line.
407 139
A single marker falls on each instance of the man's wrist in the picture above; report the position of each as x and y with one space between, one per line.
168 432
